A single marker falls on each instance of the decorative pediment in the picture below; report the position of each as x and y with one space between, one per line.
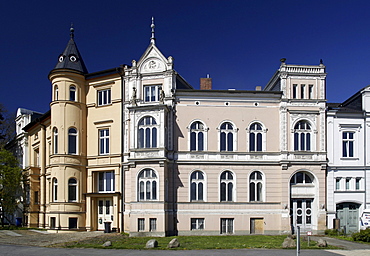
152 65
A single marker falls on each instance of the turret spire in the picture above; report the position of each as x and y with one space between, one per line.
71 57
152 39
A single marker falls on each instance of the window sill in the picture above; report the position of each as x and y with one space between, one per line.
349 158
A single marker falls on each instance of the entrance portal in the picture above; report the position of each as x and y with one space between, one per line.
105 212
348 214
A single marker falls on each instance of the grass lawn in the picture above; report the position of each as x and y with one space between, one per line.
121 241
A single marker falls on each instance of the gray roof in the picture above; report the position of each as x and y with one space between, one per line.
71 57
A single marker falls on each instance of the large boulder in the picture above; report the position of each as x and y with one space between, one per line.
151 243
288 243
322 243
173 243
107 244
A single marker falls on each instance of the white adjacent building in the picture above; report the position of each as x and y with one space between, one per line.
348 175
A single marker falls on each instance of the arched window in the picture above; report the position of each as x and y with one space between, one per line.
226 186
226 137
302 136
56 92
72 190
55 190
72 93
197 136
147 185
72 141
301 178
147 133
197 186
55 140
256 187
255 137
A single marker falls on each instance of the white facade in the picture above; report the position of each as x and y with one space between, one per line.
348 175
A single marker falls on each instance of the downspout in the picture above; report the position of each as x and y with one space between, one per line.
43 173
365 162
121 70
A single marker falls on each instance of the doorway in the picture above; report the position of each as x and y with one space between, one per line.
105 212
348 214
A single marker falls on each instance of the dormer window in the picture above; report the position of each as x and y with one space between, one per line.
151 93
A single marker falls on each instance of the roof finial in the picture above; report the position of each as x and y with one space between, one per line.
152 39
72 30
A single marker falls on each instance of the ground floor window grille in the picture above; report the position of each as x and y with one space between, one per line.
227 226
197 223
72 223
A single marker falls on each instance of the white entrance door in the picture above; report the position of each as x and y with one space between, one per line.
105 212
302 214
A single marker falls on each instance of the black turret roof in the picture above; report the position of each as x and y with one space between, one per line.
71 57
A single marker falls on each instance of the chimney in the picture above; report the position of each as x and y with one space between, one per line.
258 88
206 83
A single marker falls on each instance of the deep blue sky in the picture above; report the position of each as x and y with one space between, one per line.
239 43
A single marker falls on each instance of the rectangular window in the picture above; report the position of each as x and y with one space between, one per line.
295 88
358 180
197 223
337 183
104 97
37 158
100 206
151 93
348 180
106 182
141 224
36 199
310 91
72 223
152 224
348 144
104 141
227 226
52 222
303 92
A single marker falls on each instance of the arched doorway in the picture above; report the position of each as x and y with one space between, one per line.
348 214
302 201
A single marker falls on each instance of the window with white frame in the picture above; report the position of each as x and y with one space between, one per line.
348 144
72 190
226 186
104 141
310 91
358 183
197 136
104 97
302 136
303 91
152 224
72 141
348 183
337 183
72 93
197 223
151 93
295 91
256 134
55 190
197 186
227 226
147 185
256 187
301 178
141 224
227 134
106 182
147 132
56 92
55 140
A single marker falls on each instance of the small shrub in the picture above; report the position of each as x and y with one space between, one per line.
363 235
334 232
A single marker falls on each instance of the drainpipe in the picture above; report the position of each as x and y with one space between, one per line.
121 72
365 163
42 152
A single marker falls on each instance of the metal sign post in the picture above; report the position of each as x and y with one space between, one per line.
309 233
298 240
